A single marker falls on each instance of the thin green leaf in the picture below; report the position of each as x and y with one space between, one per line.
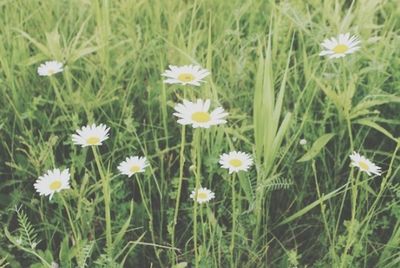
316 147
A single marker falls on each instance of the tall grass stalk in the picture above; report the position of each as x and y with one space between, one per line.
106 196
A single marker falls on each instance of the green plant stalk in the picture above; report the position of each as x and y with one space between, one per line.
70 219
178 197
396 234
354 192
203 229
107 199
60 101
197 176
326 225
234 216
143 196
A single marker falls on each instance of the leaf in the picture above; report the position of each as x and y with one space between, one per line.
309 207
124 228
246 186
370 123
65 255
316 147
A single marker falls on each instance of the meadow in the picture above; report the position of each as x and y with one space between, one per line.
199 133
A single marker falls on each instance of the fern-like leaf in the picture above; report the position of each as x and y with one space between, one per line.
84 254
27 234
276 184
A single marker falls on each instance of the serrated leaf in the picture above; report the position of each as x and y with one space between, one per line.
316 147
65 254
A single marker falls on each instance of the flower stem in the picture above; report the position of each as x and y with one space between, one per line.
178 196
197 175
70 219
232 245
107 199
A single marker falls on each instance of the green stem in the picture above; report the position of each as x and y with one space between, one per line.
354 193
106 196
58 95
143 197
178 197
324 217
197 175
70 219
232 245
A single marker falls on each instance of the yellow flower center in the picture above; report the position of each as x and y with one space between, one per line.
202 195
363 165
340 48
235 162
135 168
186 77
55 185
51 71
201 117
93 140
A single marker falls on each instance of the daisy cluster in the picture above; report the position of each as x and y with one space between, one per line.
196 114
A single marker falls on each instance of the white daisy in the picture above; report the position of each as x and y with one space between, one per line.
236 161
91 135
49 68
203 195
52 182
364 164
340 46
187 74
197 115
132 165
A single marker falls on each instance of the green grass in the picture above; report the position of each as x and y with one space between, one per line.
265 71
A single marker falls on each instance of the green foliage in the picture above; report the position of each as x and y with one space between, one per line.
3 262
297 206
27 236
316 147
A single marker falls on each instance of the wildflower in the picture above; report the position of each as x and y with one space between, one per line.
187 74
303 142
236 161
52 182
91 135
197 115
133 165
49 68
364 164
203 195
340 46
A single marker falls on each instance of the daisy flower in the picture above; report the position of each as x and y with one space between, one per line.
185 75
364 164
91 135
340 46
52 182
49 68
236 161
197 115
203 195
132 165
